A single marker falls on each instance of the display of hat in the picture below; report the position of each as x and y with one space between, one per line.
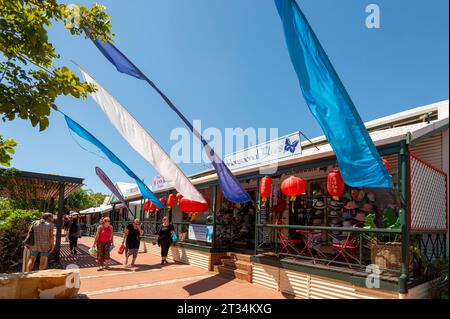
336 221
361 196
319 204
367 208
361 216
371 197
318 213
244 229
351 205
317 222
335 204
334 213
347 223
347 215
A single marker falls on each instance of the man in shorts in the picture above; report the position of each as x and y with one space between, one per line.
44 242
132 238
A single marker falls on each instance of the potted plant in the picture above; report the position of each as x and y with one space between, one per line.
385 251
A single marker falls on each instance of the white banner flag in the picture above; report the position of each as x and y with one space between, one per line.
142 141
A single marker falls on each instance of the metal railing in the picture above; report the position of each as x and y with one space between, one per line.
333 246
151 227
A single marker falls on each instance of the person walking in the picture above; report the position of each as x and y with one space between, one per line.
104 241
132 238
44 242
164 238
74 232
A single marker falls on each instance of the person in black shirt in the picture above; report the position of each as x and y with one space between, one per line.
165 238
132 238
74 233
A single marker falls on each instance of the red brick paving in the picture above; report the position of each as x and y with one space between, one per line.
150 280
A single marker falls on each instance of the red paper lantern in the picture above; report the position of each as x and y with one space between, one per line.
335 184
152 207
293 186
191 207
162 200
171 200
265 187
179 197
386 163
147 205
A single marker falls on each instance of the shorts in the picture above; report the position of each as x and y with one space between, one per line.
132 252
39 253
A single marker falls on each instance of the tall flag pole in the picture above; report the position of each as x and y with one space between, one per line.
83 133
108 183
142 141
359 161
231 188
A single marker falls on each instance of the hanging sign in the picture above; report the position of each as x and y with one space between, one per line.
266 153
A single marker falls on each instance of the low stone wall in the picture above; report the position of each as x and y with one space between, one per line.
46 284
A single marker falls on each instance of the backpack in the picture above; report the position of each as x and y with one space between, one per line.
29 240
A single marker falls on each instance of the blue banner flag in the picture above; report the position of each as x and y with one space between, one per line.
359 161
81 132
231 188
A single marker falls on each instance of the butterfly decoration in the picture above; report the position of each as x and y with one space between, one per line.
290 147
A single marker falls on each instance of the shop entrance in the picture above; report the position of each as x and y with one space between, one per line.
235 225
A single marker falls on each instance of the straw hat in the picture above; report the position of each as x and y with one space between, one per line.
244 229
319 204
336 221
318 213
317 222
334 204
351 205
334 213
367 207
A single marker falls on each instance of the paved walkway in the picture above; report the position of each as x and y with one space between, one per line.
149 279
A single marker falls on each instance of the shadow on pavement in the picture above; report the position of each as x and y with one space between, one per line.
206 284
82 259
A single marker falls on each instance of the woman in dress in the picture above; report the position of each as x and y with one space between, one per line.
165 238
103 241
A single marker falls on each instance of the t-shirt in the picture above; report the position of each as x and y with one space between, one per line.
104 234
133 237
164 232
74 230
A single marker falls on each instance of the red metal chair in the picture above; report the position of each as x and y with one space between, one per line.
311 243
288 246
347 248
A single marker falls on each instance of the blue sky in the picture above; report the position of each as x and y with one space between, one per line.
225 62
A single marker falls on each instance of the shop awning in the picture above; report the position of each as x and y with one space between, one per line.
30 185
100 209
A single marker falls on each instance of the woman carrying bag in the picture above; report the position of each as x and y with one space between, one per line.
165 233
104 243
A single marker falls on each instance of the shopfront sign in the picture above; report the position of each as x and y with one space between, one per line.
266 153
200 232
159 183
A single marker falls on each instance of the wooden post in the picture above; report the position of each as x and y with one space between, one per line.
59 222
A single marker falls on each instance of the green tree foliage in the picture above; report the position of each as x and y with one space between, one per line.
84 198
29 80
13 230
